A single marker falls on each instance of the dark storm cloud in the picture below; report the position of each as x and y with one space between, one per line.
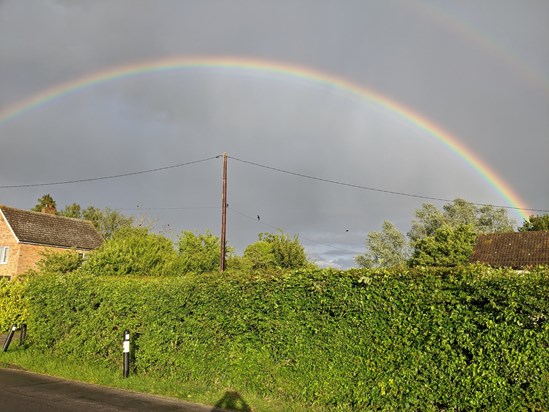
438 59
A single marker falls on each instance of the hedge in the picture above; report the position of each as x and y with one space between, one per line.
461 339
13 308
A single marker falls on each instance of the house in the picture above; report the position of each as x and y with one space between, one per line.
517 250
25 235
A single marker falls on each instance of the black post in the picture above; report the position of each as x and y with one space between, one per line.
22 334
9 338
126 347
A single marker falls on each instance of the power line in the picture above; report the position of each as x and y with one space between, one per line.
170 208
373 189
94 179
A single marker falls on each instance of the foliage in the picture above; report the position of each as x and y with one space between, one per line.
132 251
13 306
540 222
73 210
260 255
453 339
106 221
45 201
53 262
277 250
384 249
483 219
446 247
198 253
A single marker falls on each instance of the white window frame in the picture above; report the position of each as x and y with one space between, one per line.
4 254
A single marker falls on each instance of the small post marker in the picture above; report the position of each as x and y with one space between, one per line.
126 350
22 334
9 338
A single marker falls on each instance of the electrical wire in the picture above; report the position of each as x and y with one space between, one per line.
171 208
373 189
94 179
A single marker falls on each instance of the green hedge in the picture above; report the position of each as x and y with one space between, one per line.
465 339
13 307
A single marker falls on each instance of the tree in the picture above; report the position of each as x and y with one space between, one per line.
384 249
133 251
288 252
483 219
493 220
106 221
260 255
446 247
276 250
428 219
74 211
198 253
45 202
540 222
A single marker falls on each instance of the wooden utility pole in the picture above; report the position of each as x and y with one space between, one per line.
223 216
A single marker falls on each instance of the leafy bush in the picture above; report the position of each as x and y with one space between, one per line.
13 306
198 253
59 262
132 251
447 247
459 339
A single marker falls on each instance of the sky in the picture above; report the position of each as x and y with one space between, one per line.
421 100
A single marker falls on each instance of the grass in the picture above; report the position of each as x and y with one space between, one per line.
35 361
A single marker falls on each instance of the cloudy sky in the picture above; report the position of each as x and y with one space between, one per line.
477 71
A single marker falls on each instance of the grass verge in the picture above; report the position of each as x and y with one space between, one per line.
35 361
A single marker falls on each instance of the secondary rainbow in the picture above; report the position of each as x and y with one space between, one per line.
274 69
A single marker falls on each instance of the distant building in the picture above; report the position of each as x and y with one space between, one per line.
517 250
25 235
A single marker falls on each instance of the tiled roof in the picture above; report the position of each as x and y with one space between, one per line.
514 250
51 230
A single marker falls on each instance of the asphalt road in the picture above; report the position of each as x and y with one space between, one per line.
29 392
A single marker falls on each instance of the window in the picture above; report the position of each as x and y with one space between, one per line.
4 255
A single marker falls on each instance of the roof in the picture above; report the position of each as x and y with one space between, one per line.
51 230
514 250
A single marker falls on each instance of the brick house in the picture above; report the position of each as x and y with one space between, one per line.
25 235
517 250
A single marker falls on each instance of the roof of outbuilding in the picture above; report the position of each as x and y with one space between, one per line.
51 230
514 250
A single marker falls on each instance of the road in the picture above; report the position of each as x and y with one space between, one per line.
29 392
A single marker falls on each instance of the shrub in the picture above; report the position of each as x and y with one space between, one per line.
132 251
437 339
13 306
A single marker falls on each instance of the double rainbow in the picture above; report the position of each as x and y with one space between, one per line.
269 68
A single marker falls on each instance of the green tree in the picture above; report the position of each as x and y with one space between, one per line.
198 253
106 221
539 222
384 249
44 202
446 247
288 252
260 255
275 250
133 251
483 219
74 211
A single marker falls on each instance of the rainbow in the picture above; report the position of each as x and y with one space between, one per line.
468 33
272 69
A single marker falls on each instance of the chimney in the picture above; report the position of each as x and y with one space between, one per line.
50 210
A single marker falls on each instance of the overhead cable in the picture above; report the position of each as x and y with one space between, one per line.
373 189
94 179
